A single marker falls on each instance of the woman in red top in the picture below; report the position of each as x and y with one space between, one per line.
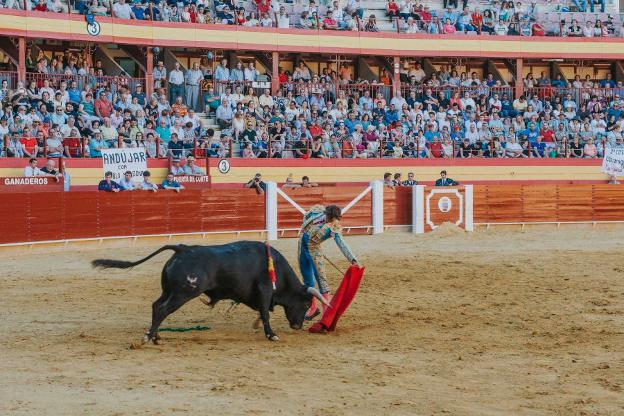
392 9
263 6
476 20
240 18
41 6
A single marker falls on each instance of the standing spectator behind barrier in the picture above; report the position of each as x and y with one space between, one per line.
108 184
145 184
126 183
257 184
170 183
176 83
32 169
445 181
193 78
410 180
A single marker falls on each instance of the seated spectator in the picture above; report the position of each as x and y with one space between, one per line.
371 24
126 183
501 28
392 10
108 184
224 114
50 170
146 184
32 169
448 27
191 169
170 183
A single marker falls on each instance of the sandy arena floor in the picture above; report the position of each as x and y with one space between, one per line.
492 323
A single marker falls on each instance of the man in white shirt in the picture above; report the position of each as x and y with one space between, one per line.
192 118
418 73
126 182
176 83
146 185
32 169
398 100
160 75
266 99
250 72
176 169
193 79
121 10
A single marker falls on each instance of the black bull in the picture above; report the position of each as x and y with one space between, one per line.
236 271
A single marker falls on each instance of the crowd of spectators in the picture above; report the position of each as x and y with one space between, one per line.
409 16
444 114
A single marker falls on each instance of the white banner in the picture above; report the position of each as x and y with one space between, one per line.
613 162
119 161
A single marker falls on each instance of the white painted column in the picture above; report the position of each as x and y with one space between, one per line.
378 207
418 209
468 192
271 210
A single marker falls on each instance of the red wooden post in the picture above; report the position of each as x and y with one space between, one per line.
149 72
275 73
5 144
195 147
230 148
119 142
396 80
21 68
82 147
158 148
519 78
269 149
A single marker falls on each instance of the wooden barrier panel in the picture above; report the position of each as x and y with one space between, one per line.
398 206
91 214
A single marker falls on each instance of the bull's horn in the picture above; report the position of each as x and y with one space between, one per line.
314 292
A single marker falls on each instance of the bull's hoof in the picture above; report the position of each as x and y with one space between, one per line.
273 338
146 338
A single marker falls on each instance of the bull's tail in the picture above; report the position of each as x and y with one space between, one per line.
120 264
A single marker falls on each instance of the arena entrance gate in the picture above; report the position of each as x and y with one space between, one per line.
431 206
365 206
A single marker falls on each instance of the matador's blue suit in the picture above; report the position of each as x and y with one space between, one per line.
314 231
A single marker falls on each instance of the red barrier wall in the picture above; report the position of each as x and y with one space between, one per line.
71 215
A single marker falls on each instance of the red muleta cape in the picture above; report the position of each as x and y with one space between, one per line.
341 300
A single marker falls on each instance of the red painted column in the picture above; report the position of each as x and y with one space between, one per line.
21 67
519 77
149 73
275 73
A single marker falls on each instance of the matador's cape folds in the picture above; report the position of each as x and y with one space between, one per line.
341 300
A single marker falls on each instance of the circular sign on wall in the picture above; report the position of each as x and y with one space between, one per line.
224 166
93 28
445 204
